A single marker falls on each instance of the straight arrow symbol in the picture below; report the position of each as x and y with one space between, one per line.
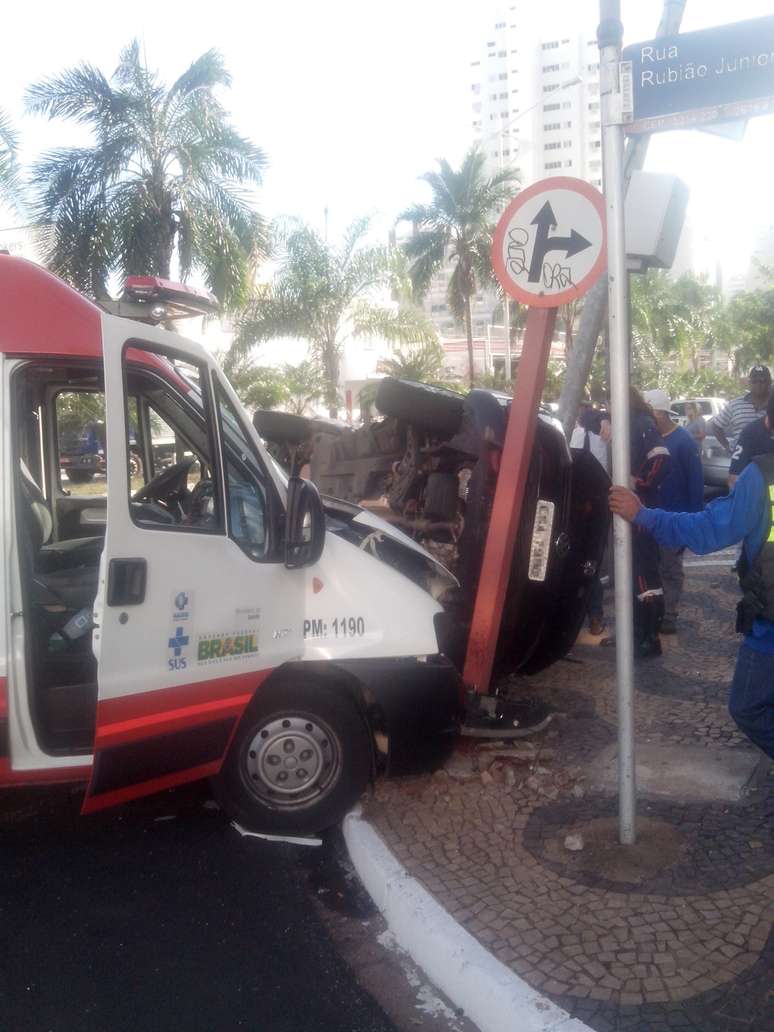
545 220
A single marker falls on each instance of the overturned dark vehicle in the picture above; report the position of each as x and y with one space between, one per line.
430 468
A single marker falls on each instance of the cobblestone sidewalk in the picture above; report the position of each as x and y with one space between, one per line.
674 933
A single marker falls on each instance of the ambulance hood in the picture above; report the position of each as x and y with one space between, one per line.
389 544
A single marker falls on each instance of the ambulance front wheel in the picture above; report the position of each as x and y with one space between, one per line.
299 760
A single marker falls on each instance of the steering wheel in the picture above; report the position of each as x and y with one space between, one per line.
169 482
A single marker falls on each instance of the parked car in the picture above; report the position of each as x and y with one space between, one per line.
429 468
715 457
82 452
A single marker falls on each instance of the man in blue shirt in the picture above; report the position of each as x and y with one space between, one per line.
682 490
746 514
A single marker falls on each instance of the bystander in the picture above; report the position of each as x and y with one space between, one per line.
731 421
755 439
681 490
695 423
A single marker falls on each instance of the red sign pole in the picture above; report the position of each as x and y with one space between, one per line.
508 499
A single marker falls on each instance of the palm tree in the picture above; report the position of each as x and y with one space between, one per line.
166 176
698 312
456 227
652 325
293 387
323 293
9 167
423 363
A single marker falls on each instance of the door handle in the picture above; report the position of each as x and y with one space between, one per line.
126 582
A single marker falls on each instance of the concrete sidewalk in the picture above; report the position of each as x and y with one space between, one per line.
516 847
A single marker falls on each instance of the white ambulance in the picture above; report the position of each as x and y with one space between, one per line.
196 618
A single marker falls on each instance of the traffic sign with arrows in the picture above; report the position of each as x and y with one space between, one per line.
549 245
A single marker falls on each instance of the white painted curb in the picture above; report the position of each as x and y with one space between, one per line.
489 993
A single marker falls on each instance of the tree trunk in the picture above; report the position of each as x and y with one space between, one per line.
331 373
99 287
469 335
164 265
595 308
166 245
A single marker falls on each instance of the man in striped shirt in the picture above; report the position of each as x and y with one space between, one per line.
728 424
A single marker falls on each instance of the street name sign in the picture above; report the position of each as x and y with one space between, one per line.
720 74
549 245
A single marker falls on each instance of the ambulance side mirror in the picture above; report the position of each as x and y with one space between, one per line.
304 525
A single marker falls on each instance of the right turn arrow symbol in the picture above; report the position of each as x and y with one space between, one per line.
545 220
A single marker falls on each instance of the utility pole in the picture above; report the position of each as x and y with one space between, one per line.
610 39
595 307
506 299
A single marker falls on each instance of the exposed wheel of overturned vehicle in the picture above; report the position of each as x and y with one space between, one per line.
431 408
300 759
282 426
442 497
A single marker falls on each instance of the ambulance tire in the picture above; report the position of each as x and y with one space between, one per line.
299 761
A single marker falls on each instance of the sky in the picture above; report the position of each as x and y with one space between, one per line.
353 101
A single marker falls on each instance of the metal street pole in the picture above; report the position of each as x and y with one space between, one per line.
610 39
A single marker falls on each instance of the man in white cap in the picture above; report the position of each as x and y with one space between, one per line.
681 491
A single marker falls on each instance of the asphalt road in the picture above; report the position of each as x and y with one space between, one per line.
160 916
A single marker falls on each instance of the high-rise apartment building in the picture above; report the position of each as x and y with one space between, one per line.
534 91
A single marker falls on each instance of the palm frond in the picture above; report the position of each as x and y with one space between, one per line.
423 363
272 313
481 259
404 325
204 151
353 237
10 181
226 239
81 93
78 245
417 214
206 72
426 252
371 268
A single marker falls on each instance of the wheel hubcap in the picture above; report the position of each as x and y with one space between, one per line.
291 759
